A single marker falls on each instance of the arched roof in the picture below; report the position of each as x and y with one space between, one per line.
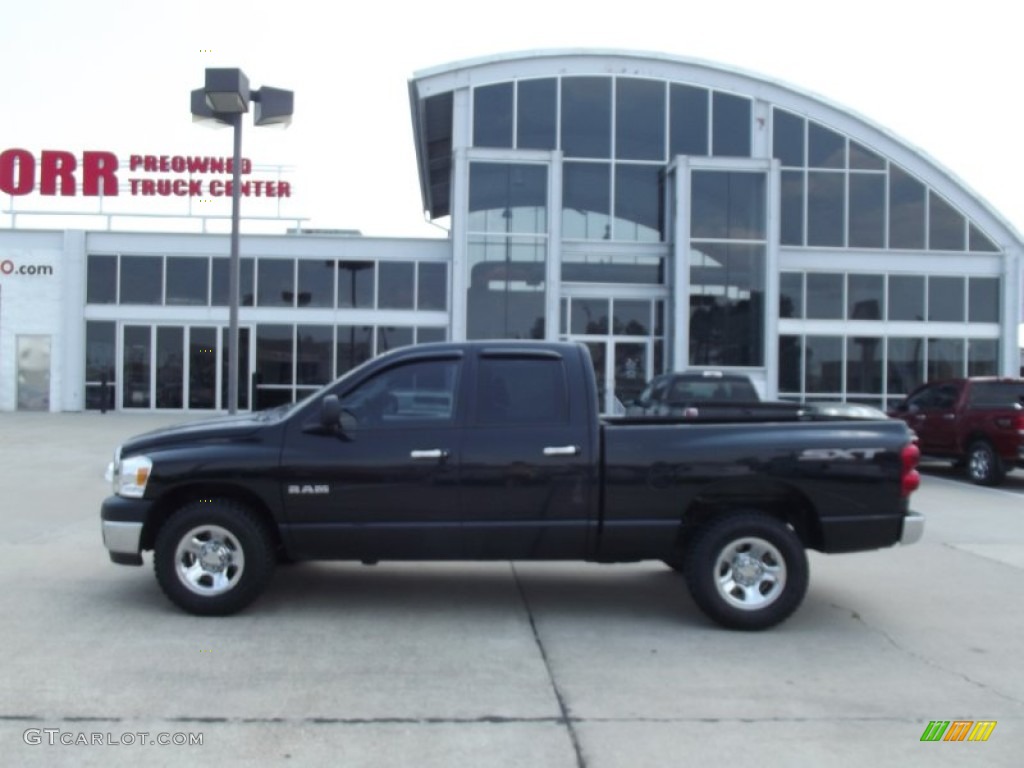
432 131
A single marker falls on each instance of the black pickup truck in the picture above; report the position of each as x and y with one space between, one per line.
495 451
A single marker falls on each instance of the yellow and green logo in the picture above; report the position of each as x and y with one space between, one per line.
958 730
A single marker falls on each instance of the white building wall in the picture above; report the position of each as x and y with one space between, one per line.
33 273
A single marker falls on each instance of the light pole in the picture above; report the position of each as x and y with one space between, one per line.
224 99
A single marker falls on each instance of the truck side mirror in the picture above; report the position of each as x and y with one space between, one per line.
330 412
336 419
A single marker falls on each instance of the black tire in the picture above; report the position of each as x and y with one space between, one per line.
984 466
213 558
774 578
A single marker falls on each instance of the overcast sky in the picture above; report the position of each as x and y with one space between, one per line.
116 76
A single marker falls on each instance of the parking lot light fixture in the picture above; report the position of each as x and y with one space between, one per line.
224 98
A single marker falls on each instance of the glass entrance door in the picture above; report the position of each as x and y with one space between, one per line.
625 337
621 368
179 367
631 372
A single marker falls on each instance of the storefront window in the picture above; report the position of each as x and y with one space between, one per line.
689 112
316 286
536 113
356 284
867 210
397 285
639 119
170 367
906 297
274 354
100 357
587 116
432 288
825 299
946 299
492 115
983 300
586 201
638 202
865 297
314 352
945 359
823 357
221 280
188 280
731 125
947 228
101 279
354 346
137 366
276 286
507 263
142 279
906 210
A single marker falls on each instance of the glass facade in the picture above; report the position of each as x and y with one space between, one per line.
177 364
267 282
873 363
838 193
507 251
618 136
728 252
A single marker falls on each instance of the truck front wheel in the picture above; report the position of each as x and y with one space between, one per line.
747 570
983 464
213 557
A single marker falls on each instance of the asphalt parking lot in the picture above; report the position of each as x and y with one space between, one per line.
481 665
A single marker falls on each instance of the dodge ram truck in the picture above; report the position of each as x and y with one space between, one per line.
495 451
976 422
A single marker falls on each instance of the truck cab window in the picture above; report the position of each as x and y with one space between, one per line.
420 393
521 391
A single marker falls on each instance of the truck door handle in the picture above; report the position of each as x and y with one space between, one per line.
433 453
562 450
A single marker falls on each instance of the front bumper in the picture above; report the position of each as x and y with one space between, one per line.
122 521
913 528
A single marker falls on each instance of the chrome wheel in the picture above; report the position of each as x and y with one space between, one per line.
750 573
980 463
983 465
213 557
746 569
209 560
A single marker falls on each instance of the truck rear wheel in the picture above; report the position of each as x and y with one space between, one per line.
984 466
747 570
213 558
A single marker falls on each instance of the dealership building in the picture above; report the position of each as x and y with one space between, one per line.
668 213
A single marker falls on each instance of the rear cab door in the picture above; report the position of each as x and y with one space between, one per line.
995 408
529 453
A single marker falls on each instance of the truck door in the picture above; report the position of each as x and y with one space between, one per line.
528 467
386 485
931 413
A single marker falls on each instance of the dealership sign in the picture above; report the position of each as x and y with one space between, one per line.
100 174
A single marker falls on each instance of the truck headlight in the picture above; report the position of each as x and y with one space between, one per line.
129 476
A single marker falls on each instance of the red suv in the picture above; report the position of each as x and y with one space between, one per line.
977 422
